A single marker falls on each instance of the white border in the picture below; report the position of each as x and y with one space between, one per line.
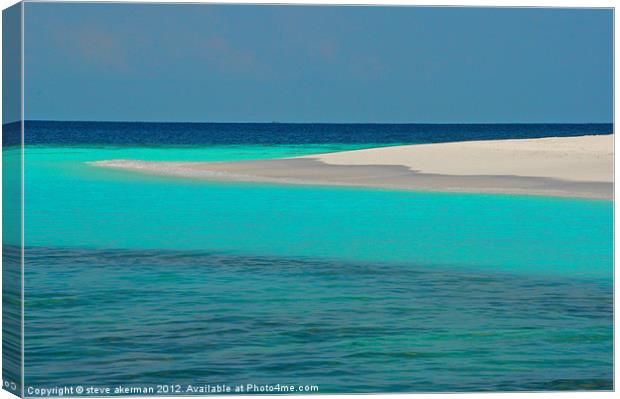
431 3
22 190
475 3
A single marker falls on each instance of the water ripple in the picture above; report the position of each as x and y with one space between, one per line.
122 317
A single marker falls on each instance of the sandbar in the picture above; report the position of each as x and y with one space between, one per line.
579 166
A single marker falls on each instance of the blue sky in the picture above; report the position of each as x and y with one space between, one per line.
217 63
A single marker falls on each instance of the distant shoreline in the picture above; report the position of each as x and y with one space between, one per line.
578 166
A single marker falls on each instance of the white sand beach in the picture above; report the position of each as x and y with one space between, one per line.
557 166
584 158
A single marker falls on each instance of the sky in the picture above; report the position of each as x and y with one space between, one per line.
11 64
226 63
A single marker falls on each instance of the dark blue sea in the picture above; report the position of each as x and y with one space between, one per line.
159 134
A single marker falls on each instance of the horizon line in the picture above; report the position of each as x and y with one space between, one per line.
314 123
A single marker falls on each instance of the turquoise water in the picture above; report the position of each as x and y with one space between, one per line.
141 279
72 204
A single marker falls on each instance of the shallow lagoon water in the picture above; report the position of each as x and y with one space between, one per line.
137 279
70 203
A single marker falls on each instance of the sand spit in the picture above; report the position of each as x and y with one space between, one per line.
557 166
